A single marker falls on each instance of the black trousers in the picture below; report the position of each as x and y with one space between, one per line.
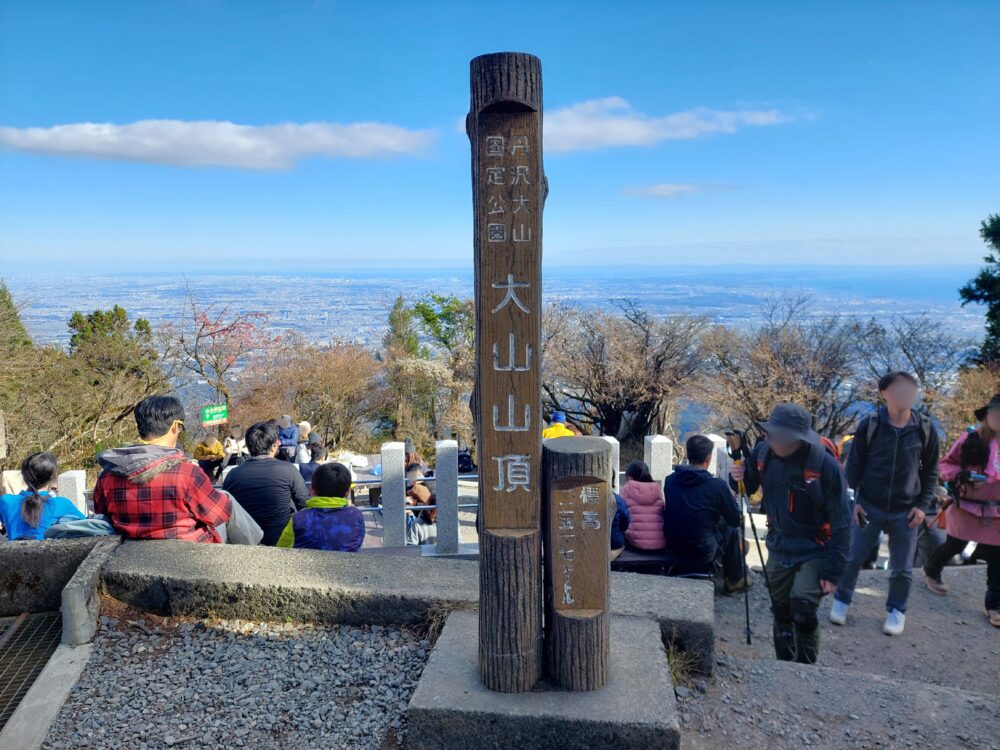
988 552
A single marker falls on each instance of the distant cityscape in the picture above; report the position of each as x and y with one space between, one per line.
354 307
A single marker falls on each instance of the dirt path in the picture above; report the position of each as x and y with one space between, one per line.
948 640
936 687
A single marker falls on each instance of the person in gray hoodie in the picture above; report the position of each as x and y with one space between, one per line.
893 468
150 491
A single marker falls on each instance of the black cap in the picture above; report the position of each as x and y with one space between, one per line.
993 404
790 422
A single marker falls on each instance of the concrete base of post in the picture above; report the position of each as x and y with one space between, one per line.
452 710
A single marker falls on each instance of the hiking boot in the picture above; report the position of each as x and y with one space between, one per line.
737 587
894 622
994 615
838 612
934 583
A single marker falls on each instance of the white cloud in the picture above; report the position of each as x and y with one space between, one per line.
665 189
210 143
674 189
611 122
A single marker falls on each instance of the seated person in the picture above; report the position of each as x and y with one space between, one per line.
234 447
306 438
27 514
701 518
210 454
149 491
619 526
421 527
288 433
329 521
317 457
557 427
644 498
269 489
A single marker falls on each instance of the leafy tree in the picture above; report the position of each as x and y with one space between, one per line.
984 289
401 339
13 334
80 401
333 386
213 343
449 322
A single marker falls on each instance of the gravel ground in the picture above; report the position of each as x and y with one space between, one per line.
155 683
948 641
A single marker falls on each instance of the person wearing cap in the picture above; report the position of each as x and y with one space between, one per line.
808 519
893 468
557 426
288 434
972 467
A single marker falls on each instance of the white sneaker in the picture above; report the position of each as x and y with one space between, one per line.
894 622
838 612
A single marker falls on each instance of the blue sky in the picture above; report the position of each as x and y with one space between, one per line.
325 136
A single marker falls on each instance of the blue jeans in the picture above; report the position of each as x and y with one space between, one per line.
902 544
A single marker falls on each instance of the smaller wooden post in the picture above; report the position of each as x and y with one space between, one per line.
578 509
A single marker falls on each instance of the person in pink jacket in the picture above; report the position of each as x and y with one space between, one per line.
972 465
644 497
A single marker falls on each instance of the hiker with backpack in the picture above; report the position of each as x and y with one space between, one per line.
972 467
808 519
893 468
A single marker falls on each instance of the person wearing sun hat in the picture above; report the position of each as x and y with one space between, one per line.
972 466
808 518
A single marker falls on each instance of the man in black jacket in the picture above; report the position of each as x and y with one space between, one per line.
893 468
269 490
808 519
701 519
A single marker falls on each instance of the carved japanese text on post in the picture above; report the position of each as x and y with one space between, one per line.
509 307
579 558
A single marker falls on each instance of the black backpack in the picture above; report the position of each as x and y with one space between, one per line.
923 421
465 463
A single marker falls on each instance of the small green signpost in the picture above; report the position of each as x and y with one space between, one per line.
214 414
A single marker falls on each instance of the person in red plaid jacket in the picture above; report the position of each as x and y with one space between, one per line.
150 491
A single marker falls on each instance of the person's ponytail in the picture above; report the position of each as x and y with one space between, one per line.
38 471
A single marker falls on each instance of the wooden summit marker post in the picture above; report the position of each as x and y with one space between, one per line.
578 509
509 188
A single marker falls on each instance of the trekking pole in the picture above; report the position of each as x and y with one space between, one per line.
746 568
753 527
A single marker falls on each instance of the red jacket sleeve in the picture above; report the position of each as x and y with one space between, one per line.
207 504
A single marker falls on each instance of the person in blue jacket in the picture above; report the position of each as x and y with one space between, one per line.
27 514
619 525
329 521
